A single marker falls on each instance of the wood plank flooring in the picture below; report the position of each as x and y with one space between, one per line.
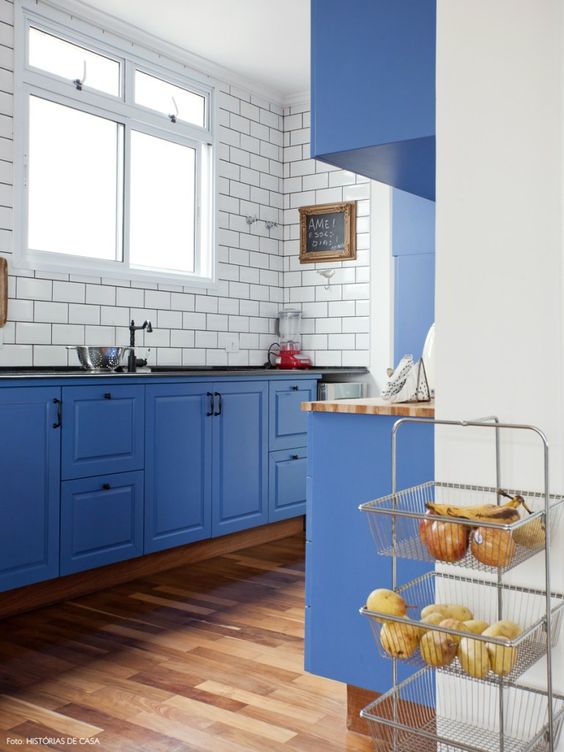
206 657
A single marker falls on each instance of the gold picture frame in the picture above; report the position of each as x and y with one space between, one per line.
328 232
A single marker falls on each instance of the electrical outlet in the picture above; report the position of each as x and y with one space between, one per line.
232 344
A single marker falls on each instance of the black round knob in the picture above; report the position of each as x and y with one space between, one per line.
108 395
106 486
295 457
295 388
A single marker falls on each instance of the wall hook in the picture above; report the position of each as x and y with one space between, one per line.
328 274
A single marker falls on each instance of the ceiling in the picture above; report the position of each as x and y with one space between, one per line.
265 41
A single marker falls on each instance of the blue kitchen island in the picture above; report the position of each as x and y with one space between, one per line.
349 463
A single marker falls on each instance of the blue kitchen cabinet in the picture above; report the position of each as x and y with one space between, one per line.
179 421
413 249
240 456
101 521
30 454
414 303
287 483
349 459
288 424
102 430
373 89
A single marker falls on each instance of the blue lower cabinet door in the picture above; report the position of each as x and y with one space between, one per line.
30 456
287 484
288 424
102 429
177 465
101 521
240 457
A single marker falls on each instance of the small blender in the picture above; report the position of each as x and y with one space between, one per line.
290 340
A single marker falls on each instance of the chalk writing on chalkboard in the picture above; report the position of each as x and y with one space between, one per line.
327 232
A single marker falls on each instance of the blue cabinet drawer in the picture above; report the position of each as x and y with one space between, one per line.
177 465
30 451
102 430
288 424
287 484
101 521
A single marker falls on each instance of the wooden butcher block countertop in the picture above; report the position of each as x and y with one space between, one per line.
372 406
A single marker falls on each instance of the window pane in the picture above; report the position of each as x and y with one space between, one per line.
162 203
67 60
75 182
161 96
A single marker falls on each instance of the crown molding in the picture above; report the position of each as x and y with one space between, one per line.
297 98
204 66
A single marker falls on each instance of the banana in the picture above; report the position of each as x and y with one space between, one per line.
504 514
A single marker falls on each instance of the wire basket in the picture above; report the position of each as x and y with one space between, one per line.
432 712
401 527
494 658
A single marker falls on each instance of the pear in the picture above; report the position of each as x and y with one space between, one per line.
502 658
432 608
399 640
386 602
437 648
453 624
476 626
458 612
435 617
474 657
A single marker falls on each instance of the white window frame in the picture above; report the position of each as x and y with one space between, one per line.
132 56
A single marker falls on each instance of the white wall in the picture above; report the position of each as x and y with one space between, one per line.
265 170
499 240
336 321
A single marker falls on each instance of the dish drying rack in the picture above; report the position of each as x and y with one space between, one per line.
441 708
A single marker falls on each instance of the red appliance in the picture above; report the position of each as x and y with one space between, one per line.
290 356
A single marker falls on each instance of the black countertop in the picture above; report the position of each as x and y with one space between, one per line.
171 371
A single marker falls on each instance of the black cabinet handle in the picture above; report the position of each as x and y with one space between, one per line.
59 422
211 398
295 387
106 486
108 395
294 456
219 403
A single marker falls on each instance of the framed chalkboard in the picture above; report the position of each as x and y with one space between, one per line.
328 232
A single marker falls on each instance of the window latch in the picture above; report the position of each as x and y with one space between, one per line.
173 118
78 82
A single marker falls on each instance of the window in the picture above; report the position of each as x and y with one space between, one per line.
118 156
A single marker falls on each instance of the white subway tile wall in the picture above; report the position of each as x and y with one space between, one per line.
335 320
264 172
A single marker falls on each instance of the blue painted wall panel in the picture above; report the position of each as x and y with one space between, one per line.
414 302
349 463
413 224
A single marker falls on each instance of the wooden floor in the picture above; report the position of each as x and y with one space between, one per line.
204 657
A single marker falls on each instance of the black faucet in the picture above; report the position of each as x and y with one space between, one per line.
132 362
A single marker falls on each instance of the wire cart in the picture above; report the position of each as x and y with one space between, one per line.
466 693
